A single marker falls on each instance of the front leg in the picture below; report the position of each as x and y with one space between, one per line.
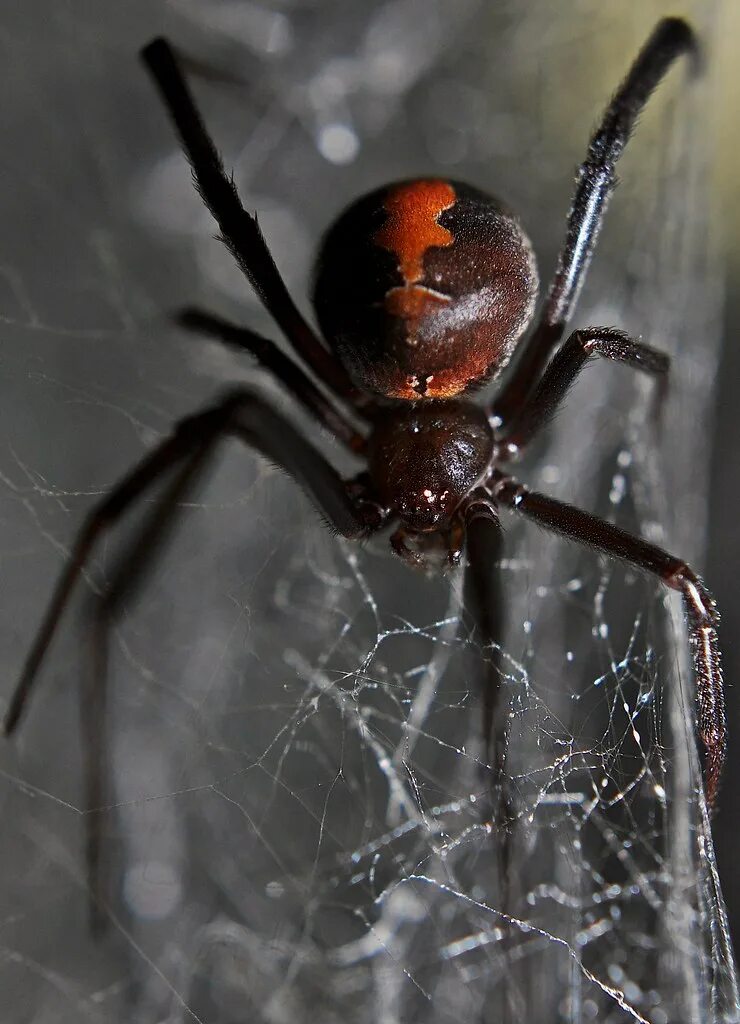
701 612
557 379
595 183
240 231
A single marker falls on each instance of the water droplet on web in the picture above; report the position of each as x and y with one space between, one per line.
338 143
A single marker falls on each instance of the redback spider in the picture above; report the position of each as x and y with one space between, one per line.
424 289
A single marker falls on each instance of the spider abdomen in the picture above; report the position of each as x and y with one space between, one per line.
424 460
424 287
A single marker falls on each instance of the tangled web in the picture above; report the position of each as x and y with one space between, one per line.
302 820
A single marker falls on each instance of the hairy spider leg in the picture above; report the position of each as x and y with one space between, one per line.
289 374
240 231
567 363
482 598
701 613
596 180
483 606
241 414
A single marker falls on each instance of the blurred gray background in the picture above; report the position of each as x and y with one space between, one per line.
296 829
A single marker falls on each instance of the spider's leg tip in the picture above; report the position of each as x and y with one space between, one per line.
684 35
154 50
12 716
186 317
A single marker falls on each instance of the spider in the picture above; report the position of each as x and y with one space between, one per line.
424 290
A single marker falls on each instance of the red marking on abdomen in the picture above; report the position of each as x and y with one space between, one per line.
412 226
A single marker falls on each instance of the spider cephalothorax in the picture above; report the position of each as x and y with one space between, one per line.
424 460
423 290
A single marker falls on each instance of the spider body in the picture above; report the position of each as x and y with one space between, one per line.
425 459
423 288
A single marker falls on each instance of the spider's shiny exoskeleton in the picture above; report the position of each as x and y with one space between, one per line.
423 290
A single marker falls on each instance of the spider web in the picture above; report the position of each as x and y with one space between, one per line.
301 817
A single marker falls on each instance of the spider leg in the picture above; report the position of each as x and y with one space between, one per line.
93 692
242 414
127 574
93 702
482 599
239 230
271 358
701 613
565 366
596 180
191 445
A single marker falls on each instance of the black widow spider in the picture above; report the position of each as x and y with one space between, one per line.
423 290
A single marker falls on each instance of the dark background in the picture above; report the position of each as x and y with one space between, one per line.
266 672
